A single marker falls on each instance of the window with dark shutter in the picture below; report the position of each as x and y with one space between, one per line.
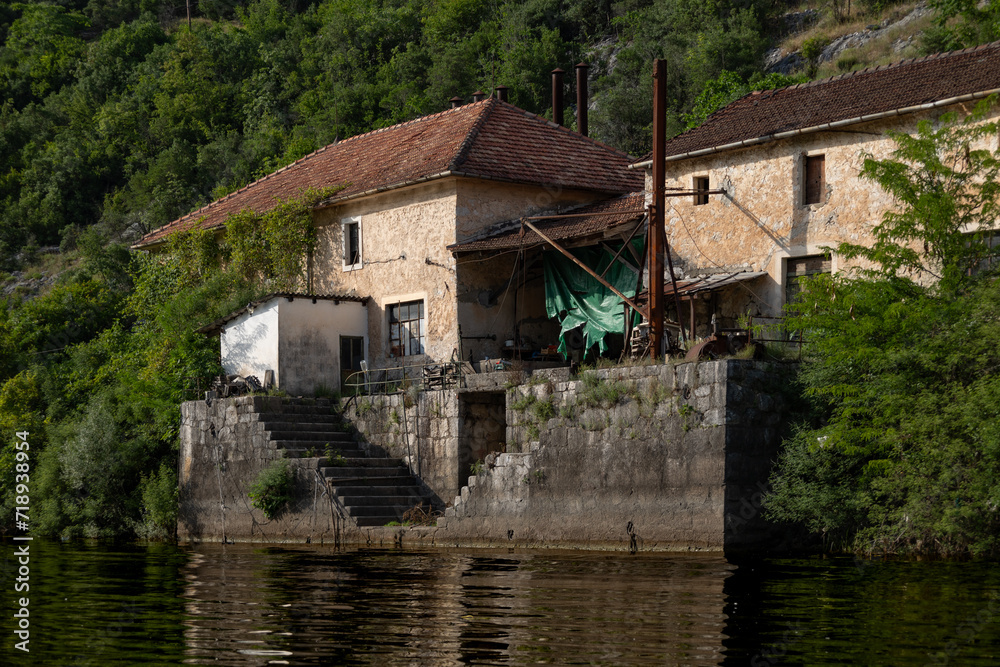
701 183
351 229
815 179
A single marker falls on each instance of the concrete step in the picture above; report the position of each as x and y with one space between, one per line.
318 409
364 471
392 499
297 417
311 436
396 513
363 461
344 485
326 427
299 452
376 489
318 444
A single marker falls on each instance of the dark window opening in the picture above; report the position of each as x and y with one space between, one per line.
701 183
815 179
798 268
989 244
352 244
406 329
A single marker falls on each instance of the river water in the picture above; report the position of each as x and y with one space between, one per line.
237 605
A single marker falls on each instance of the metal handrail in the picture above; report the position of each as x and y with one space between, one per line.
395 379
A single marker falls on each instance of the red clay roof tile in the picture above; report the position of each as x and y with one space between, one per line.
902 85
489 139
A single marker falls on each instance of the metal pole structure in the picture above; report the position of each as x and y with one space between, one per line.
656 217
557 95
583 266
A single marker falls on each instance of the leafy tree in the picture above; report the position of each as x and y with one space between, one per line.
946 181
962 23
903 449
729 87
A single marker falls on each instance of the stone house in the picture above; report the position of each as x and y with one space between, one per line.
410 191
789 162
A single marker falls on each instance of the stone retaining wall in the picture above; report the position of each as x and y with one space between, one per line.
639 458
224 447
664 457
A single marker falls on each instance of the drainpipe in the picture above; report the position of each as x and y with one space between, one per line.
581 98
557 96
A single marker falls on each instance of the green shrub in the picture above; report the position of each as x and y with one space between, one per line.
523 403
544 410
159 502
272 490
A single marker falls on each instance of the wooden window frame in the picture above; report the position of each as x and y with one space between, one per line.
700 183
407 330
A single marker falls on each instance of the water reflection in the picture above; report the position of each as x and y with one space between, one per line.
163 605
289 606
848 611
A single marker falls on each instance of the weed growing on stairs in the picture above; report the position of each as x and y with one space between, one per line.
333 457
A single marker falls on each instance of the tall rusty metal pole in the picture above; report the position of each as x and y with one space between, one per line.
656 234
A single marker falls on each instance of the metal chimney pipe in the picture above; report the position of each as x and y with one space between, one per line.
557 96
455 102
581 98
502 93
478 96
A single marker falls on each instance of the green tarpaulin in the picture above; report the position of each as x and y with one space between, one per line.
575 298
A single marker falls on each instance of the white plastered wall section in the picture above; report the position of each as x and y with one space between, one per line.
309 341
249 343
299 340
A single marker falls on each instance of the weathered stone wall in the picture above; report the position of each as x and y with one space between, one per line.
762 220
657 457
422 428
224 447
404 239
646 457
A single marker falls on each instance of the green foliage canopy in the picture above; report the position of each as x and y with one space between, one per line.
902 450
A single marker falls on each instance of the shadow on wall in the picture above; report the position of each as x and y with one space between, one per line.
244 347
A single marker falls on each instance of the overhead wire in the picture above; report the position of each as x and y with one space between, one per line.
712 261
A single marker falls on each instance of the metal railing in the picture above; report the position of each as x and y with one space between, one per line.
395 379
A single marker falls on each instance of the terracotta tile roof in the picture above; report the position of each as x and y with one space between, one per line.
488 139
626 209
760 115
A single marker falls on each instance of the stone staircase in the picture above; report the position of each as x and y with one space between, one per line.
374 491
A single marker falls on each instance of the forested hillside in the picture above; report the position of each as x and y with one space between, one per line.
117 116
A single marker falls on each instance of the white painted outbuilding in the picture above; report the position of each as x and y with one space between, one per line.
309 342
